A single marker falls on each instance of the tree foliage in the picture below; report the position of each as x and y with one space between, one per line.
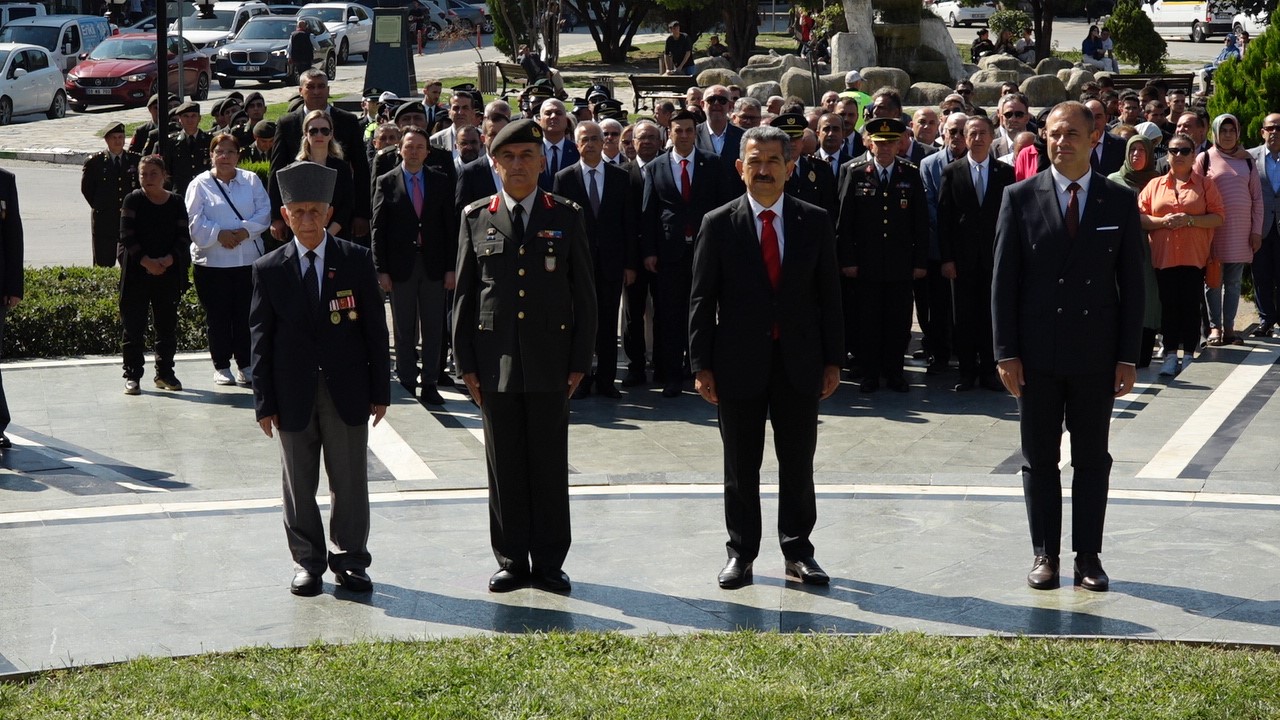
1012 20
1136 39
1249 88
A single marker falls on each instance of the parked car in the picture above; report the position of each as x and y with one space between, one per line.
487 25
209 34
30 82
66 37
285 10
956 14
1249 24
350 24
260 52
468 16
435 19
122 71
1196 19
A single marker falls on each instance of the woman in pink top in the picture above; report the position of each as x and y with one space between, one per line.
1179 211
1231 169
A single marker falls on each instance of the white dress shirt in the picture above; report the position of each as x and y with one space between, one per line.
209 214
1061 182
586 176
757 208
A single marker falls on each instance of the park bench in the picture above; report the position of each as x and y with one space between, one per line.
512 74
648 88
1137 81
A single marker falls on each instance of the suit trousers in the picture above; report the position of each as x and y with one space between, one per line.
634 308
794 418
5 418
674 285
1084 403
934 312
345 449
1266 278
526 439
142 294
884 324
226 293
417 311
608 297
852 322
974 343
106 236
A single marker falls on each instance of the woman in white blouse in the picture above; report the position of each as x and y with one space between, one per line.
228 210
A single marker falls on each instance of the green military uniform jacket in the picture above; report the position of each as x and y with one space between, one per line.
186 158
104 185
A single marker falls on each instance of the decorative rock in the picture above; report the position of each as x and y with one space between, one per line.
1051 66
935 36
763 60
762 91
995 76
1044 90
829 81
706 63
986 93
753 74
1074 80
719 76
799 83
878 77
927 94
1000 61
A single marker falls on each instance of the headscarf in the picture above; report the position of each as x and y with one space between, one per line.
1150 130
1131 176
1237 153
1229 50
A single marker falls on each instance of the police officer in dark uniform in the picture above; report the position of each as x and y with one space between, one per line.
523 334
264 136
188 152
810 181
883 236
106 178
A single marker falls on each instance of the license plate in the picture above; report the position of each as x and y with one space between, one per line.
98 91
251 68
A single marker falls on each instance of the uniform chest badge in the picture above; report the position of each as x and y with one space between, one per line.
813 176
902 203
335 318
549 262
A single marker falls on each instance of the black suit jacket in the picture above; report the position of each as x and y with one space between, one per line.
733 307
969 229
296 343
568 156
396 227
614 233
1061 306
814 183
11 240
346 130
920 151
1112 155
475 182
666 216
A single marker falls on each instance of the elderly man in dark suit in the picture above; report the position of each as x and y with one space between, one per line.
968 205
320 370
609 208
765 339
1067 311
11 277
415 250
524 323
680 187
1107 153
717 136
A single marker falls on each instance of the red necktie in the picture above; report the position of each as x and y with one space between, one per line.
686 191
772 253
1073 211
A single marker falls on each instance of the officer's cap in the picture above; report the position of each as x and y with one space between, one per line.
387 96
793 124
598 91
580 104
153 100
116 127
608 105
264 129
519 131
884 129
539 91
464 87
239 118
410 107
370 93
237 96
187 107
306 182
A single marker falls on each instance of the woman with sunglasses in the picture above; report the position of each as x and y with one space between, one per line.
320 147
229 211
1180 210
1232 171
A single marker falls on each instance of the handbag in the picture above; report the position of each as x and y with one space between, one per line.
1213 274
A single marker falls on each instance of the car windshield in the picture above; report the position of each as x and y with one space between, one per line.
44 36
268 30
327 15
221 21
116 49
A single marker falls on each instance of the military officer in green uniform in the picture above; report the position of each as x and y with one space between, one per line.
882 237
138 143
524 330
264 136
188 153
810 181
108 176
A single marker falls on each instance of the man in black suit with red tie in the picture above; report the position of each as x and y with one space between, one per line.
968 205
680 188
603 191
766 343
415 230
320 370
1067 311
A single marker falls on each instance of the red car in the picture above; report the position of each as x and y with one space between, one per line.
121 70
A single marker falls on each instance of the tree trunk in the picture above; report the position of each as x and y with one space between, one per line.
611 30
1042 26
742 25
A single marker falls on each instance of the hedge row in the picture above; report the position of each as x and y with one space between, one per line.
68 311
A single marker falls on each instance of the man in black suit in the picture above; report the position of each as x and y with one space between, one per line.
313 85
968 205
680 188
647 138
478 179
320 370
11 277
106 177
765 341
610 211
717 136
523 326
556 142
415 250
810 179
1067 311
832 149
1107 154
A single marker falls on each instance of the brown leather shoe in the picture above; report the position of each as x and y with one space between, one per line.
1044 573
1089 573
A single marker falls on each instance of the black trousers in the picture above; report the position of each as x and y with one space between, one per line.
934 312
1181 294
674 284
5 418
142 294
974 343
608 297
526 438
852 321
884 320
226 294
794 417
637 296
106 237
1266 278
1084 403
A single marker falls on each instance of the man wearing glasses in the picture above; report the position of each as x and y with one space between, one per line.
746 113
964 89
717 136
1013 120
933 306
1266 262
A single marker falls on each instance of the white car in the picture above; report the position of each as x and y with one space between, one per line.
1249 24
209 34
955 14
350 24
30 82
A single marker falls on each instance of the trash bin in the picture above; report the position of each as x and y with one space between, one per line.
605 80
487 73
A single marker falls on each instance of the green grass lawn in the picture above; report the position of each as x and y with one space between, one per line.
645 55
740 675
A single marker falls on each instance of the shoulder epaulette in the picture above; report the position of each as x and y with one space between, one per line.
475 205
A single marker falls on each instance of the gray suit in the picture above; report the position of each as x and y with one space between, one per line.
1266 262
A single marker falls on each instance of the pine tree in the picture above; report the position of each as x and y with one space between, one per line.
1249 88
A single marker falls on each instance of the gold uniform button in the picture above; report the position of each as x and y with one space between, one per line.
520 315
521 293
562 327
521 251
520 272
886 221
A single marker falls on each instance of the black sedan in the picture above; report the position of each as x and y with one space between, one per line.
260 51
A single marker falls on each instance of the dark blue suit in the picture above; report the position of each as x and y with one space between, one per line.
568 156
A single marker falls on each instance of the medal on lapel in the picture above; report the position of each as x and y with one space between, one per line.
335 318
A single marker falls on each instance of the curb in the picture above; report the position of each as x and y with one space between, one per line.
59 157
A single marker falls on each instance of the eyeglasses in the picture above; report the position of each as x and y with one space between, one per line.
320 131
948 111
954 131
612 134
1180 151
964 92
717 100
1015 114
1270 128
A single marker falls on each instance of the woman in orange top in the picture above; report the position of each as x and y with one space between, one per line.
1179 211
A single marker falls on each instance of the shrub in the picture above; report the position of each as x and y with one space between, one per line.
1012 20
1250 88
261 168
72 311
1136 39
831 20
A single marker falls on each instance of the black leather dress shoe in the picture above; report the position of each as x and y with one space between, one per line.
1044 573
633 378
556 581
1089 573
446 380
736 573
672 389
807 571
354 580
869 385
431 396
1263 330
506 581
583 391
306 584
5 443
897 384
966 384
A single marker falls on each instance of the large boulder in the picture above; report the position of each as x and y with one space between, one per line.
799 83
1000 61
719 76
1044 90
878 77
762 91
763 59
986 93
753 74
1074 80
706 63
1051 65
927 94
829 81
995 76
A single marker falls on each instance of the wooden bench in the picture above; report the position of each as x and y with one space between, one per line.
1137 81
512 74
651 87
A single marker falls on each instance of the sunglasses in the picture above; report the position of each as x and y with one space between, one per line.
717 100
1270 128
954 131
948 111
1180 151
1015 114
964 92
320 131
613 134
